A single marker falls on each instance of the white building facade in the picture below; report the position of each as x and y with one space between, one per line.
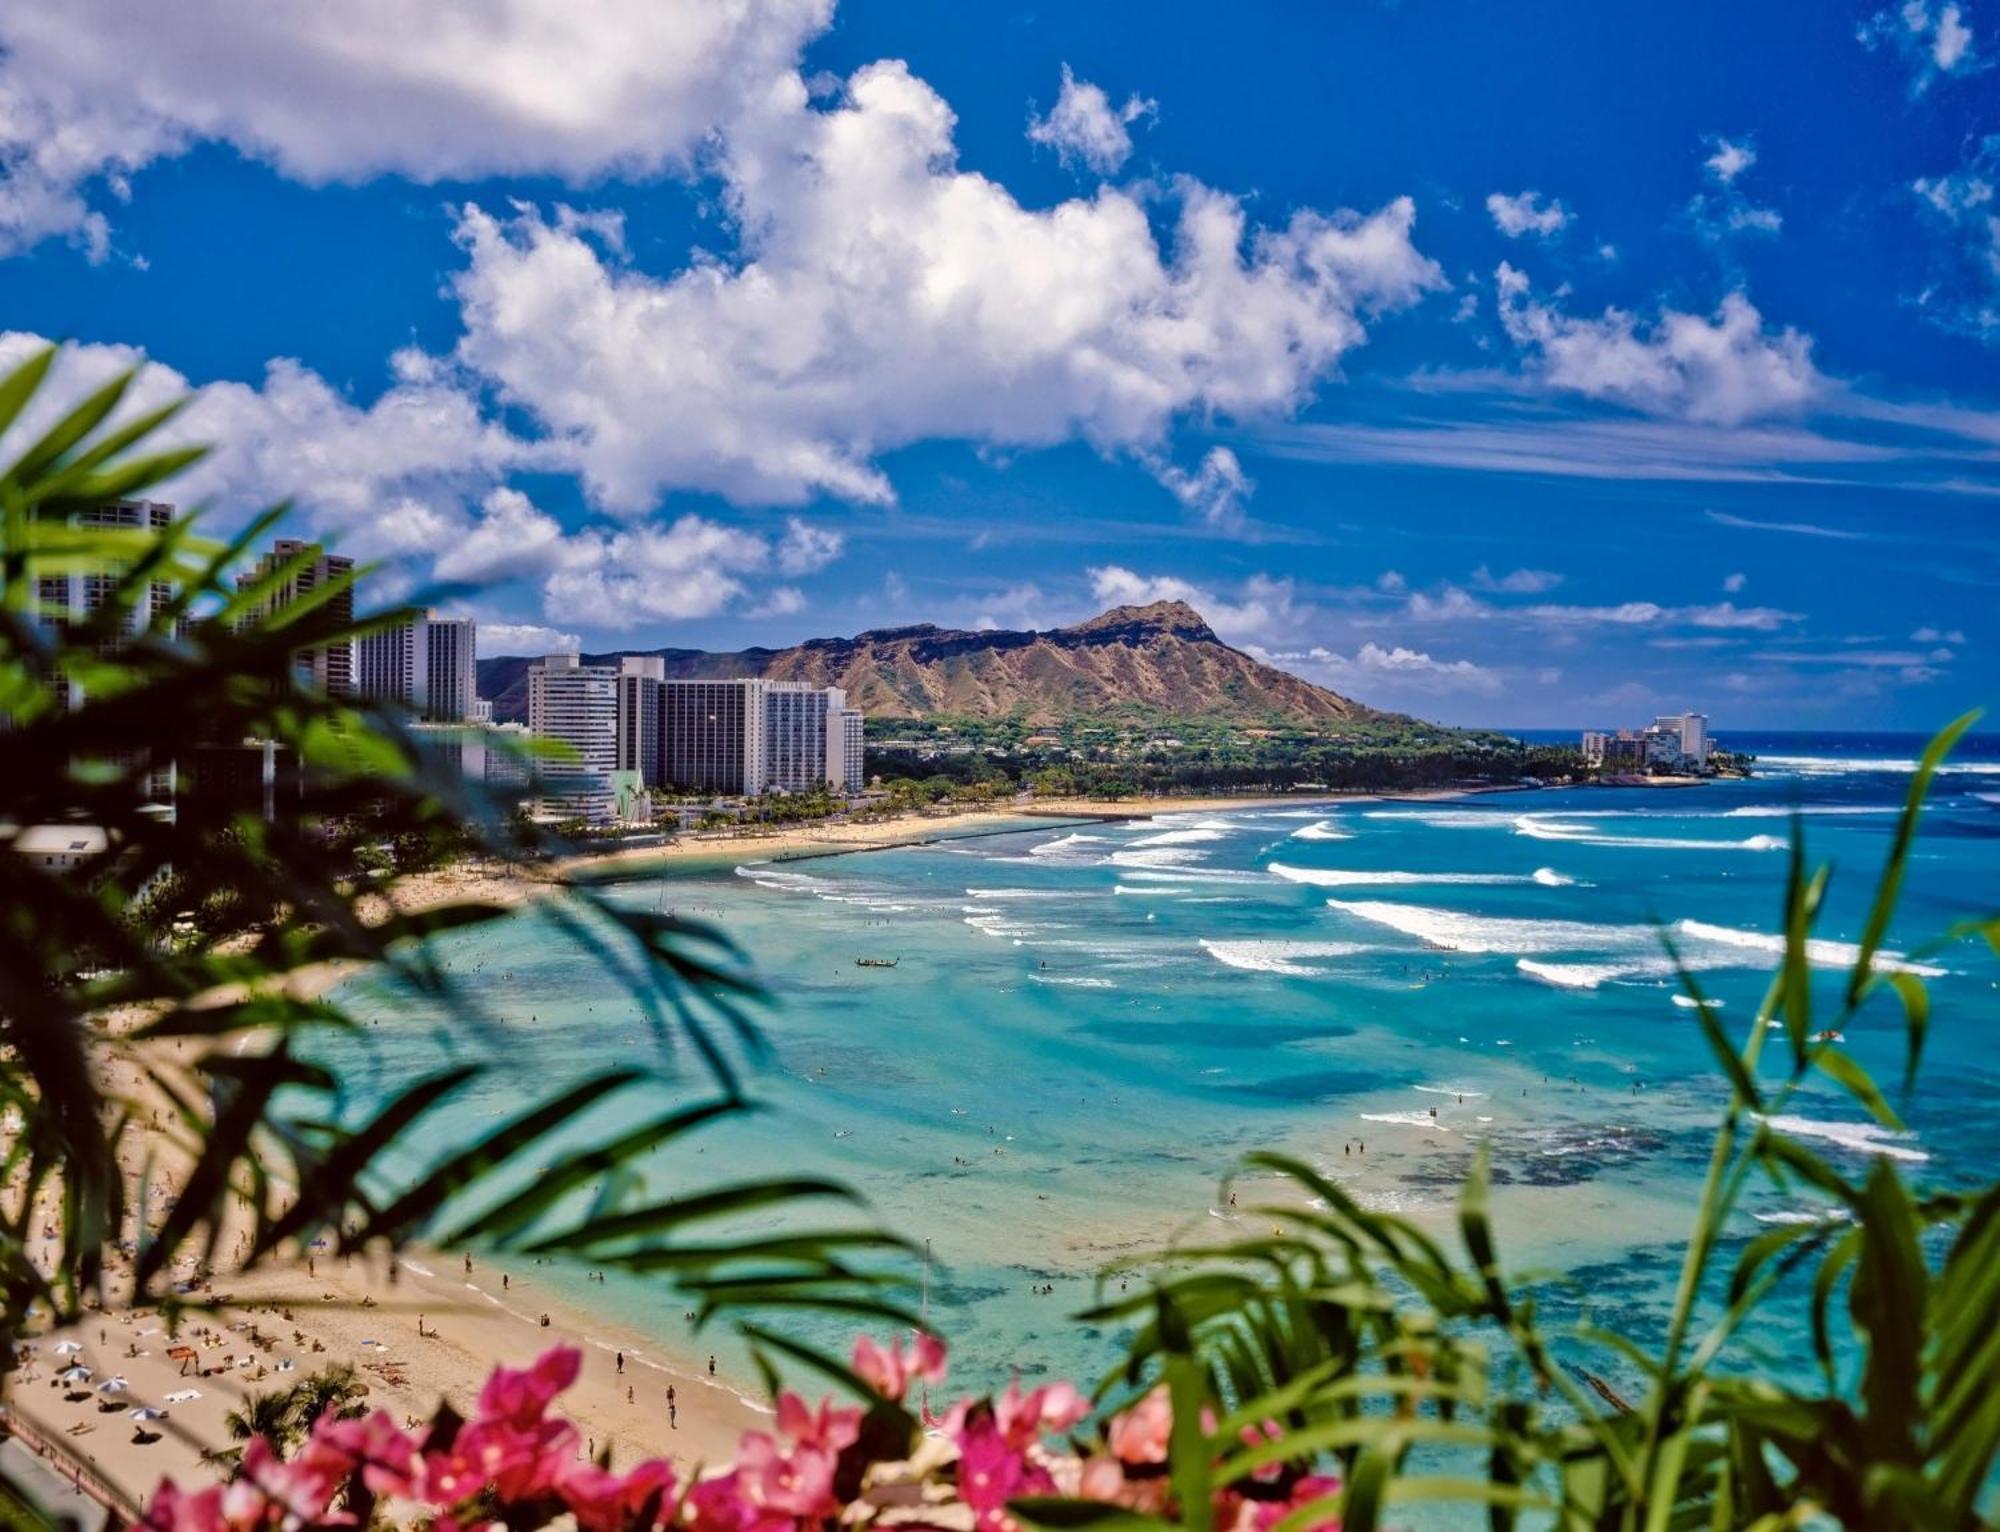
578 705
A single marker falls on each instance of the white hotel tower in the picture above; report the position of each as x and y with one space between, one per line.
578 705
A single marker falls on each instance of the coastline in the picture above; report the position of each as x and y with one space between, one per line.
366 1312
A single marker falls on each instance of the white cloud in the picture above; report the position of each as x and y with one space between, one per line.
1728 159
1526 213
1083 126
383 479
1930 635
1521 582
510 539
1264 608
1217 489
1392 582
1725 211
1723 371
690 568
779 601
806 549
1962 208
1453 604
93 90
1931 42
525 638
1372 669
886 297
1734 583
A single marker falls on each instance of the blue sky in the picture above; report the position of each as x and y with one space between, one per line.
1539 365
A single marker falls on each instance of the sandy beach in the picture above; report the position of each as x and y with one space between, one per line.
422 1329
283 1324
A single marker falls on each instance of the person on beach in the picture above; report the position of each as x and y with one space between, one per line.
711 1364
621 1364
673 1410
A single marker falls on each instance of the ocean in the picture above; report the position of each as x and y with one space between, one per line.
1089 1024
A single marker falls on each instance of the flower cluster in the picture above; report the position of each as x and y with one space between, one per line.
515 1464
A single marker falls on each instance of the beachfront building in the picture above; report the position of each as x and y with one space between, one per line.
1689 734
578 705
79 594
327 668
427 663
392 664
803 739
451 677
641 677
1672 742
848 778
712 736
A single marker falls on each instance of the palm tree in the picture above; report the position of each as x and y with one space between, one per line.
195 919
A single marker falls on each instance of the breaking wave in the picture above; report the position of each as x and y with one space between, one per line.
1278 956
1336 877
1324 829
1856 1137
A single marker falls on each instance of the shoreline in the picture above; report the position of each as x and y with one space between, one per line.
366 1312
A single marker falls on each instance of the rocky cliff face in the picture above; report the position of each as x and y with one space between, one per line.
1161 658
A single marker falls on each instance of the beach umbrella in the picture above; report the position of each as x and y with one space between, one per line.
74 1375
113 1386
146 1412
68 1347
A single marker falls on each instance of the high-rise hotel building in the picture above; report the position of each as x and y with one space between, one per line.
741 738
428 663
578 705
327 668
712 736
640 680
76 596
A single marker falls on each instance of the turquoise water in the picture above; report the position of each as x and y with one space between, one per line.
1089 1024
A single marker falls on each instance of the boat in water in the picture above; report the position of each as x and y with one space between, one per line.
876 962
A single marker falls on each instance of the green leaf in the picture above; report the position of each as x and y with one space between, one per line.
1890 886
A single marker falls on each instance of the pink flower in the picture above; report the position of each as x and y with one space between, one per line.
301 1488
795 1483
1053 1407
1140 1434
518 1463
603 1501
992 1471
834 1430
890 1370
375 1444
522 1395
174 1510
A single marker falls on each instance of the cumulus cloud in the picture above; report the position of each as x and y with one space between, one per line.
1930 635
1728 159
806 549
1930 41
1734 583
383 479
1526 213
885 297
91 91
1083 127
1263 608
692 567
1721 371
1217 489
1521 582
1372 667
1717 214
1962 210
1454 604
525 638
510 538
